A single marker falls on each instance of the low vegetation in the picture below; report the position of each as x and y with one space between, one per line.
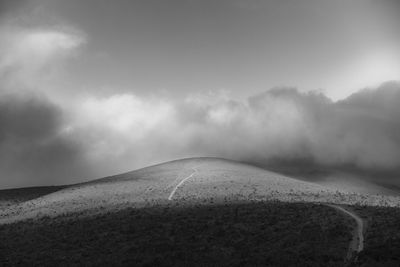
242 234
10 197
382 237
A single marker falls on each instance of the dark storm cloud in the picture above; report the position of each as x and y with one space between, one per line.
32 148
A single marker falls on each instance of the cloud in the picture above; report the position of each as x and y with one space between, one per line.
29 56
99 136
361 131
47 141
33 149
122 128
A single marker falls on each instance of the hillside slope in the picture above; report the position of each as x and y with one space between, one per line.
195 180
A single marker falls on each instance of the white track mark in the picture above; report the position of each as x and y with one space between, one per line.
171 184
358 236
181 183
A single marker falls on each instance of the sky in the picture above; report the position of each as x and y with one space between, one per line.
90 88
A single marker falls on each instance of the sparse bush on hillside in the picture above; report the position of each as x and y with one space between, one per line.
248 234
382 238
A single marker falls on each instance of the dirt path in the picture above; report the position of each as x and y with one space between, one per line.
357 243
181 183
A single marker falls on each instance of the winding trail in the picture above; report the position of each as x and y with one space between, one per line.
181 183
357 243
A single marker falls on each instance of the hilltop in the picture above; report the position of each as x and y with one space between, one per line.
185 181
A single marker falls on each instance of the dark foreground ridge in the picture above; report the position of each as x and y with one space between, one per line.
357 243
241 234
247 234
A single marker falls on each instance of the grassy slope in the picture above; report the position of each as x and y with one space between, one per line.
214 179
18 195
382 238
264 233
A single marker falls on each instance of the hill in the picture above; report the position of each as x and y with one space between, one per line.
247 234
187 181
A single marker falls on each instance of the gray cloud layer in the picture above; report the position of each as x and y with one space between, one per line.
282 124
41 143
48 136
361 131
31 149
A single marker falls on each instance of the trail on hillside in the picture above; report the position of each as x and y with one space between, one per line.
357 243
181 183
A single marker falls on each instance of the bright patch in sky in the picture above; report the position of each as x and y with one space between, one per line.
379 67
368 70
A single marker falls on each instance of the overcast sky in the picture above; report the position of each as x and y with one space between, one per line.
183 46
94 87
